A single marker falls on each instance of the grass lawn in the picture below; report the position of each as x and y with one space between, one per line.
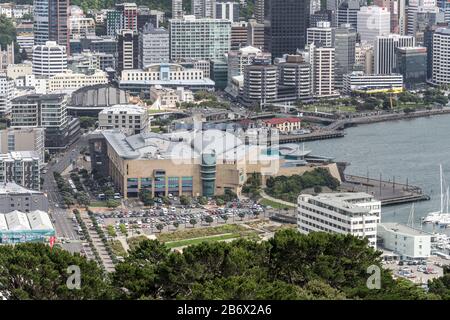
98 204
156 130
189 242
273 204
191 233
117 248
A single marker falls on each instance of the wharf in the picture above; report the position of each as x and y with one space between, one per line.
388 192
319 135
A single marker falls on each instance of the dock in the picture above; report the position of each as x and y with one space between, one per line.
319 135
388 192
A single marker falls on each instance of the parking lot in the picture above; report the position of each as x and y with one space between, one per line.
418 272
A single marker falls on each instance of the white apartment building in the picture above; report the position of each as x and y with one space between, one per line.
356 213
153 46
441 56
205 38
373 21
21 167
128 118
6 94
49 59
323 62
385 51
23 139
359 81
322 35
405 241
71 81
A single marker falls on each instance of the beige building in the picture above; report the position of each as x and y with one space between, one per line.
168 98
15 71
203 163
23 139
128 118
70 81
283 124
153 72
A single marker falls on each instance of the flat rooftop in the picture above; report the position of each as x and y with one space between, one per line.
403 229
346 201
14 188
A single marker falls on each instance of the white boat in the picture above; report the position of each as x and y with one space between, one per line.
440 217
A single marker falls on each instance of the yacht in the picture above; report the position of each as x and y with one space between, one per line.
440 217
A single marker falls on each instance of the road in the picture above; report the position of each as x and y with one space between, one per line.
62 218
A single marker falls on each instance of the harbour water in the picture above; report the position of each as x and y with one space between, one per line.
405 149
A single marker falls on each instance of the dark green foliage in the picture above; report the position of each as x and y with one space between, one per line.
36 271
288 188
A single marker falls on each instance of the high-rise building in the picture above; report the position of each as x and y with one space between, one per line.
444 7
47 111
348 13
260 82
203 8
226 9
295 74
49 59
412 64
23 139
238 59
323 62
127 50
415 6
385 56
6 94
392 6
322 35
441 56
238 35
153 46
373 21
364 57
58 20
192 38
177 9
40 21
255 34
285 22
344 43
402 23
51 22
124 16
259 11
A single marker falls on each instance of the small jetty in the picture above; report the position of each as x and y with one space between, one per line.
318 135
388 192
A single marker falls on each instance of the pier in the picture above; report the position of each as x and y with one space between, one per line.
388 192
319 135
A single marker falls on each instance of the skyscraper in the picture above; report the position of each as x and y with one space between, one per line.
415 7
344 43
373 21
285 23
412 64
153 46
322 35
50 22
441 56
385 55
128 50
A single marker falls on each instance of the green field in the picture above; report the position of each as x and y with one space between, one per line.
275 205
189 242
98 204
200 232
